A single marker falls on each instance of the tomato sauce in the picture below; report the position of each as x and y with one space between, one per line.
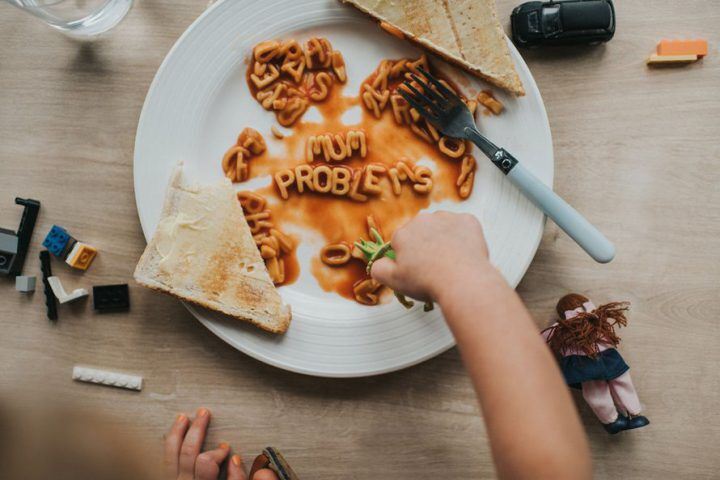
340 218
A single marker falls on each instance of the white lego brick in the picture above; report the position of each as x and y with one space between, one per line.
61 294
110 379
25 284
73 251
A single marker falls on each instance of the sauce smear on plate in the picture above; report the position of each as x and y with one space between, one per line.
339 218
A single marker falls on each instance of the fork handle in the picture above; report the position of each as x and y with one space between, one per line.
566 217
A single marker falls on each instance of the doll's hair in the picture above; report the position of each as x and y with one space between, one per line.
584 331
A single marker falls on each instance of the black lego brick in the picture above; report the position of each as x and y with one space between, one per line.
111 298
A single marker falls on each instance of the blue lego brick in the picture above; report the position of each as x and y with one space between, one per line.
58 241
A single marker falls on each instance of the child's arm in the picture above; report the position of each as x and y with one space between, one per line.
532 423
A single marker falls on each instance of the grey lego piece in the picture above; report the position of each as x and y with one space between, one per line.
8 243
25 284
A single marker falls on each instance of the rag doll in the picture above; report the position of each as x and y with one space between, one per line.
584 339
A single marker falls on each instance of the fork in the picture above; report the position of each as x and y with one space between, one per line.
449 114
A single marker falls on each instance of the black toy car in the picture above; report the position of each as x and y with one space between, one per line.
566 22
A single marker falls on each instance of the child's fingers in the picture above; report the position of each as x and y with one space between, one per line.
173 442
207 464
265 474
384 270
192 444
236 470
218 455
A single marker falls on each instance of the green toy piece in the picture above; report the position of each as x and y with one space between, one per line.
373 250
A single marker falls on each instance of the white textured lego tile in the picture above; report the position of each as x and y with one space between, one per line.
110 379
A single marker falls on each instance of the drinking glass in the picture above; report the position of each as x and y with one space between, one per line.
77 18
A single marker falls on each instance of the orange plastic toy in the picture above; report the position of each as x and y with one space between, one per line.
697 47
81 256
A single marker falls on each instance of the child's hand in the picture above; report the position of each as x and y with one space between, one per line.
433 250
184 460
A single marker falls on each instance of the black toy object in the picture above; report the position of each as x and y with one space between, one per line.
111 298
14 246
272 459
50 298
567 22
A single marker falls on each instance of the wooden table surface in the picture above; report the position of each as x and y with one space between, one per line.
635 149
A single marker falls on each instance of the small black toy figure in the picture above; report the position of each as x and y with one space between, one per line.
584 339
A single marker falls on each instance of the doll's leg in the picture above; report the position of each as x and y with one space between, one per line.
625 394
597 394
618 403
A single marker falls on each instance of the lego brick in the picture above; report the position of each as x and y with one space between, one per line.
58 241
81 256
8 243
670 59
61 294
110 379
8 250
6 261
25 284
108 298
50 299
31 208
14 246
697 47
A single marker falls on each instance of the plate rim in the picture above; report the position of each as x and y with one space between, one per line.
531 90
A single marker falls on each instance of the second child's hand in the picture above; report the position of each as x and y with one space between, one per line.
185 460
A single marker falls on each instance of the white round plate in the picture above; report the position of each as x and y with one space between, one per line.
198 103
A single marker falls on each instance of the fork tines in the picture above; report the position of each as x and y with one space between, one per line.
432 102
438 84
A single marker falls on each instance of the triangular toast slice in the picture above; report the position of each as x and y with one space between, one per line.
464 32
203 252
